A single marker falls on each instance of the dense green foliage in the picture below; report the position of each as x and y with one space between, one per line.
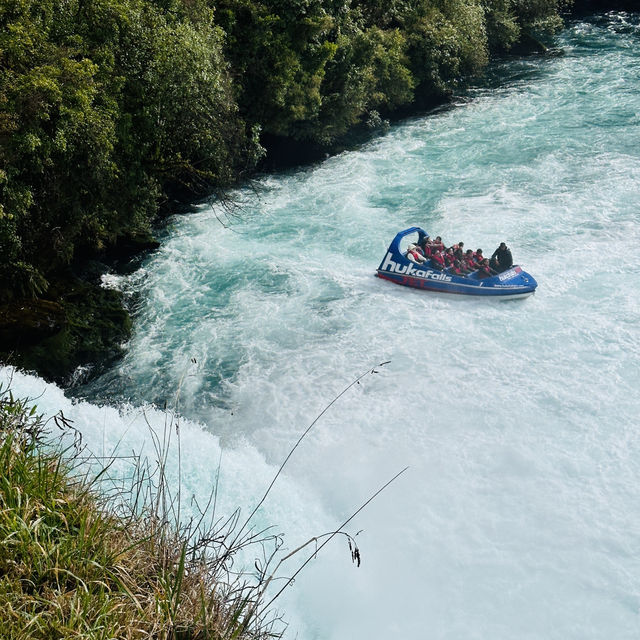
103 105
109 107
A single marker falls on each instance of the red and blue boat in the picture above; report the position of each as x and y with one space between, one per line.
510 284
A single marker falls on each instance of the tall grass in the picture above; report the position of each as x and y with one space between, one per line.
83 556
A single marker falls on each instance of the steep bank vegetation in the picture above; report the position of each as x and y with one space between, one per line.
107 547
105 105
78 563
111 108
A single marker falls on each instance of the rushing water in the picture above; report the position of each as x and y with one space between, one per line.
519 516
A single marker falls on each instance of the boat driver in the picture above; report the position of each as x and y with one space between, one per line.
501 259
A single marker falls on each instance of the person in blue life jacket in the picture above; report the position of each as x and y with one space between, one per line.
501 259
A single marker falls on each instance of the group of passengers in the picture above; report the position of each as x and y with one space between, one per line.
457 260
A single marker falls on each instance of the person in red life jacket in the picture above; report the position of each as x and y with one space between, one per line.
437 260
449 258
438 244
485 270
469 261
477 255
457 269
414 255
419 249
458 250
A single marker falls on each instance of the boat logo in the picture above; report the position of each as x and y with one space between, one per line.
410 270
512 273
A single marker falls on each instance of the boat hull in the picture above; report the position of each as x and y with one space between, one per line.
417 283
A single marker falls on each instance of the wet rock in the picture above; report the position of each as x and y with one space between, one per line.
83 325
528 45
26 322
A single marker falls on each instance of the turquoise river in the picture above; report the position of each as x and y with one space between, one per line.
519 514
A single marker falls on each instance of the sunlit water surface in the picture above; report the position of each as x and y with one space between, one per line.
519 516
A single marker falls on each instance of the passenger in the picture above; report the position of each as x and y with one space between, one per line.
485 270
501 259
449 258
477 254
458 250
438 244
469 261
458 269
437 260
414 255
426 246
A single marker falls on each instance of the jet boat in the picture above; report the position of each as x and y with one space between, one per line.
396 267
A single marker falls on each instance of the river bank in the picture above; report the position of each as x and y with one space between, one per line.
80 556
78 327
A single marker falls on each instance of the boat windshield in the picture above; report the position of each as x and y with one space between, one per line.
405 241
